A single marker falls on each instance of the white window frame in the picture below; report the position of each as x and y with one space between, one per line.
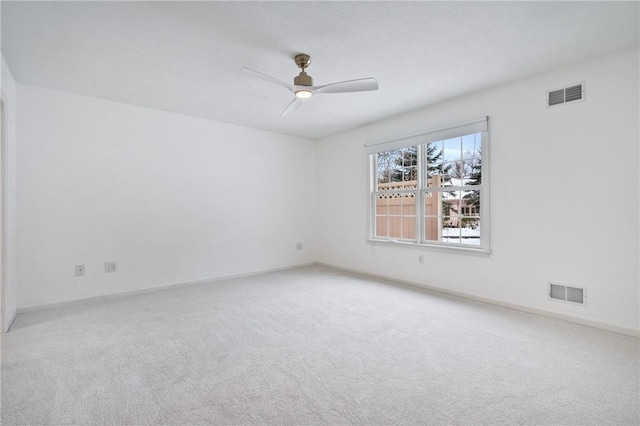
421 139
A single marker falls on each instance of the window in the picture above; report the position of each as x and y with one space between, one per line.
432 188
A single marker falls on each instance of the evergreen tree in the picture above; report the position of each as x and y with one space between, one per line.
434 156
402 165
406 165
473 198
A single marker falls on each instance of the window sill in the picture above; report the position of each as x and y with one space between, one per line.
433 247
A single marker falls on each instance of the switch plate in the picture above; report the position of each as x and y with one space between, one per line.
111 267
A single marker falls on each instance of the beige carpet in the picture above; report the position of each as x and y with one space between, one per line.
311 346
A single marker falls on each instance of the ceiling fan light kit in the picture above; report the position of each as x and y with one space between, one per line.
303 94
303 87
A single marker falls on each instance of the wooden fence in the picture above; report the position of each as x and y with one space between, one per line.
396 212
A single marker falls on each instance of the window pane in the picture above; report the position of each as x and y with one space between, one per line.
382 216
434 153
408 219
471 145
433 166
383 167
450 233
433 203
451 205
472 200
409 164
434 176
452 150
397 169
467 172
471 217
471 230
452 215
450 218
395 216
432 228
472 153
454 173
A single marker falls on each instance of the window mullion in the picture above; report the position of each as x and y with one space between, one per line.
419 219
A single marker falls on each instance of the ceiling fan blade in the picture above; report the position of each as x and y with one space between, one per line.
359 85
294 105
265 77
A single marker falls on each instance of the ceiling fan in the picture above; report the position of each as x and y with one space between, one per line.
303 87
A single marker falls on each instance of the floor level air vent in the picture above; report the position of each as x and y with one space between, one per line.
567 294
573 93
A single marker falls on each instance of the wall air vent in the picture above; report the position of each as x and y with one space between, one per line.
567 294
565 95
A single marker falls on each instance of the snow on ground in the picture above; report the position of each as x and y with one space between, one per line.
469 235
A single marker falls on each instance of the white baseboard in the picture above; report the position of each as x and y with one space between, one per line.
68 303
541 312
7 325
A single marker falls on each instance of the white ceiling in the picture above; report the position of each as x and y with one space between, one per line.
185 57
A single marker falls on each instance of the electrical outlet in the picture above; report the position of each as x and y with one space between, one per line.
110 267
79 270
421 259
299 246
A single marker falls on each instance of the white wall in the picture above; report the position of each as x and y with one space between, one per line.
171 198
564 195
9 188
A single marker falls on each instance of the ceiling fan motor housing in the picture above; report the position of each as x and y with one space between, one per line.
303 79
